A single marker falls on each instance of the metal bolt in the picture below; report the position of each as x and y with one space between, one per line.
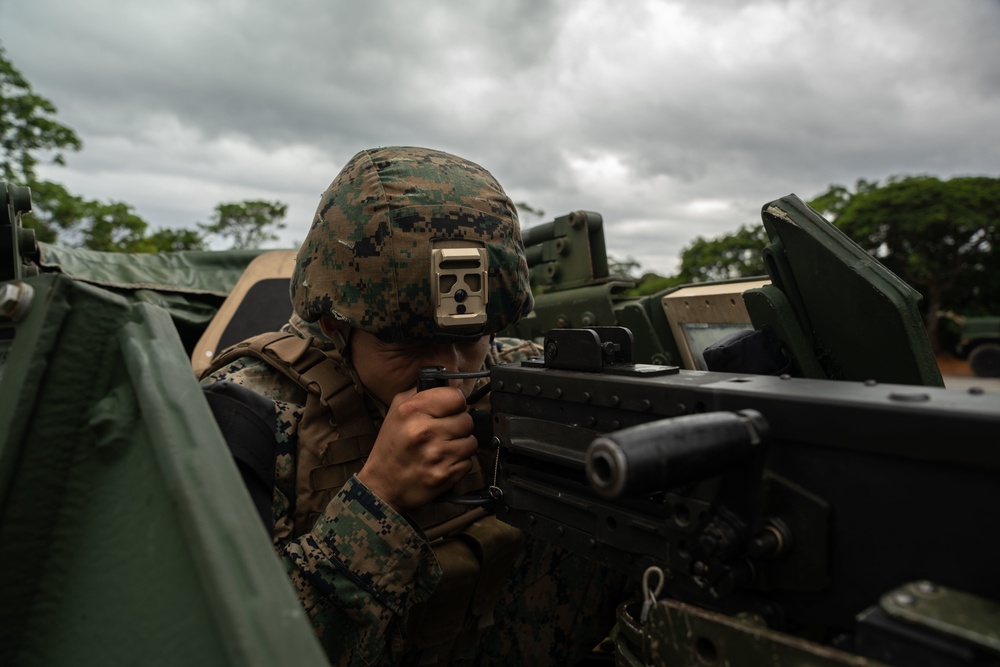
908 397
15 300
926 588
904 599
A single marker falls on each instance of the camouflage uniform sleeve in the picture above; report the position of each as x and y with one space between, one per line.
358 572
505 350
362 566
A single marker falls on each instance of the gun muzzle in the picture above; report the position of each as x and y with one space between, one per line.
664 454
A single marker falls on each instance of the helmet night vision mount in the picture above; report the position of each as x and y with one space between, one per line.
459 272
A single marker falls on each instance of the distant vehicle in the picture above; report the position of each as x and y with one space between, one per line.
980 344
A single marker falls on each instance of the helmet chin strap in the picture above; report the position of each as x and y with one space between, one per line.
337 336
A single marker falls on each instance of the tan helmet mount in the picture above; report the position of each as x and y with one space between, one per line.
459 271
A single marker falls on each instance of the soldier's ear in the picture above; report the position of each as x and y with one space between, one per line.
339 333
329 325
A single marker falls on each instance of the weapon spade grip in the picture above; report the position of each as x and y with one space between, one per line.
664 454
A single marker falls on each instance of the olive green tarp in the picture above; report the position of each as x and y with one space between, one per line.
186 272
190 285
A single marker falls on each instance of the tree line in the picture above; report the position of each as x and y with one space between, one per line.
30 135
942 237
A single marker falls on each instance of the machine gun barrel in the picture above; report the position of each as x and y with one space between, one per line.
661 455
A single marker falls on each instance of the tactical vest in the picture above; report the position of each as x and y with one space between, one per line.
335 436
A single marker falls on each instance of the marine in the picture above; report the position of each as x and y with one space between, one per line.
414 259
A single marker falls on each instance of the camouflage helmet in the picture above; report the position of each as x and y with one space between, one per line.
367 259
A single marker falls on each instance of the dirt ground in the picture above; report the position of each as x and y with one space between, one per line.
957 375
949 365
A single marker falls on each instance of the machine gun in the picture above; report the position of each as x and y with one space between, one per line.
788 520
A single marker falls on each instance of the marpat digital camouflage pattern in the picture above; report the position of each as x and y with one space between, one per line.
367 257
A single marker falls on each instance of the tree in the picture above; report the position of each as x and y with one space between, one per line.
941 237
59 216
248 223
724 257
29 133
28 127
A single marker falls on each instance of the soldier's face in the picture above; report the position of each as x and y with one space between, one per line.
387 369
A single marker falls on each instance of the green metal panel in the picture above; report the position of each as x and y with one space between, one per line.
861 318
947 612
126 536
768 306
566 252
682 635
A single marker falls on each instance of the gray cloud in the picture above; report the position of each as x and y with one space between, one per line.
672 119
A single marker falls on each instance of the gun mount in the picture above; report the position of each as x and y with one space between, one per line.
796 502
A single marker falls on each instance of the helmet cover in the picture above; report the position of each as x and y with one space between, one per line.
366 260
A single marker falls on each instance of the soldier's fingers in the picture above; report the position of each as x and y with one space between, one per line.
442 401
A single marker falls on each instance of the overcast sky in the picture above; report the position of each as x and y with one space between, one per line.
671 119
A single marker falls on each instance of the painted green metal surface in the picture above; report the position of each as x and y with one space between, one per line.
947 612
126 536
860 320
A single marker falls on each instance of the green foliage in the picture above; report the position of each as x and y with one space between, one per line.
172 240
724 257
58 215
652 283
941 237
248 224
28 132
27 127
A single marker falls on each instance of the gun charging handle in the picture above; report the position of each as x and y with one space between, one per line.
436 376
664 454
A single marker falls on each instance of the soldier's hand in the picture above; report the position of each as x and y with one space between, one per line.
425 446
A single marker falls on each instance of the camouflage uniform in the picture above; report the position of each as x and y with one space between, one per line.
362 567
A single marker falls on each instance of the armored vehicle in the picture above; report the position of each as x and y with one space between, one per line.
776 462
